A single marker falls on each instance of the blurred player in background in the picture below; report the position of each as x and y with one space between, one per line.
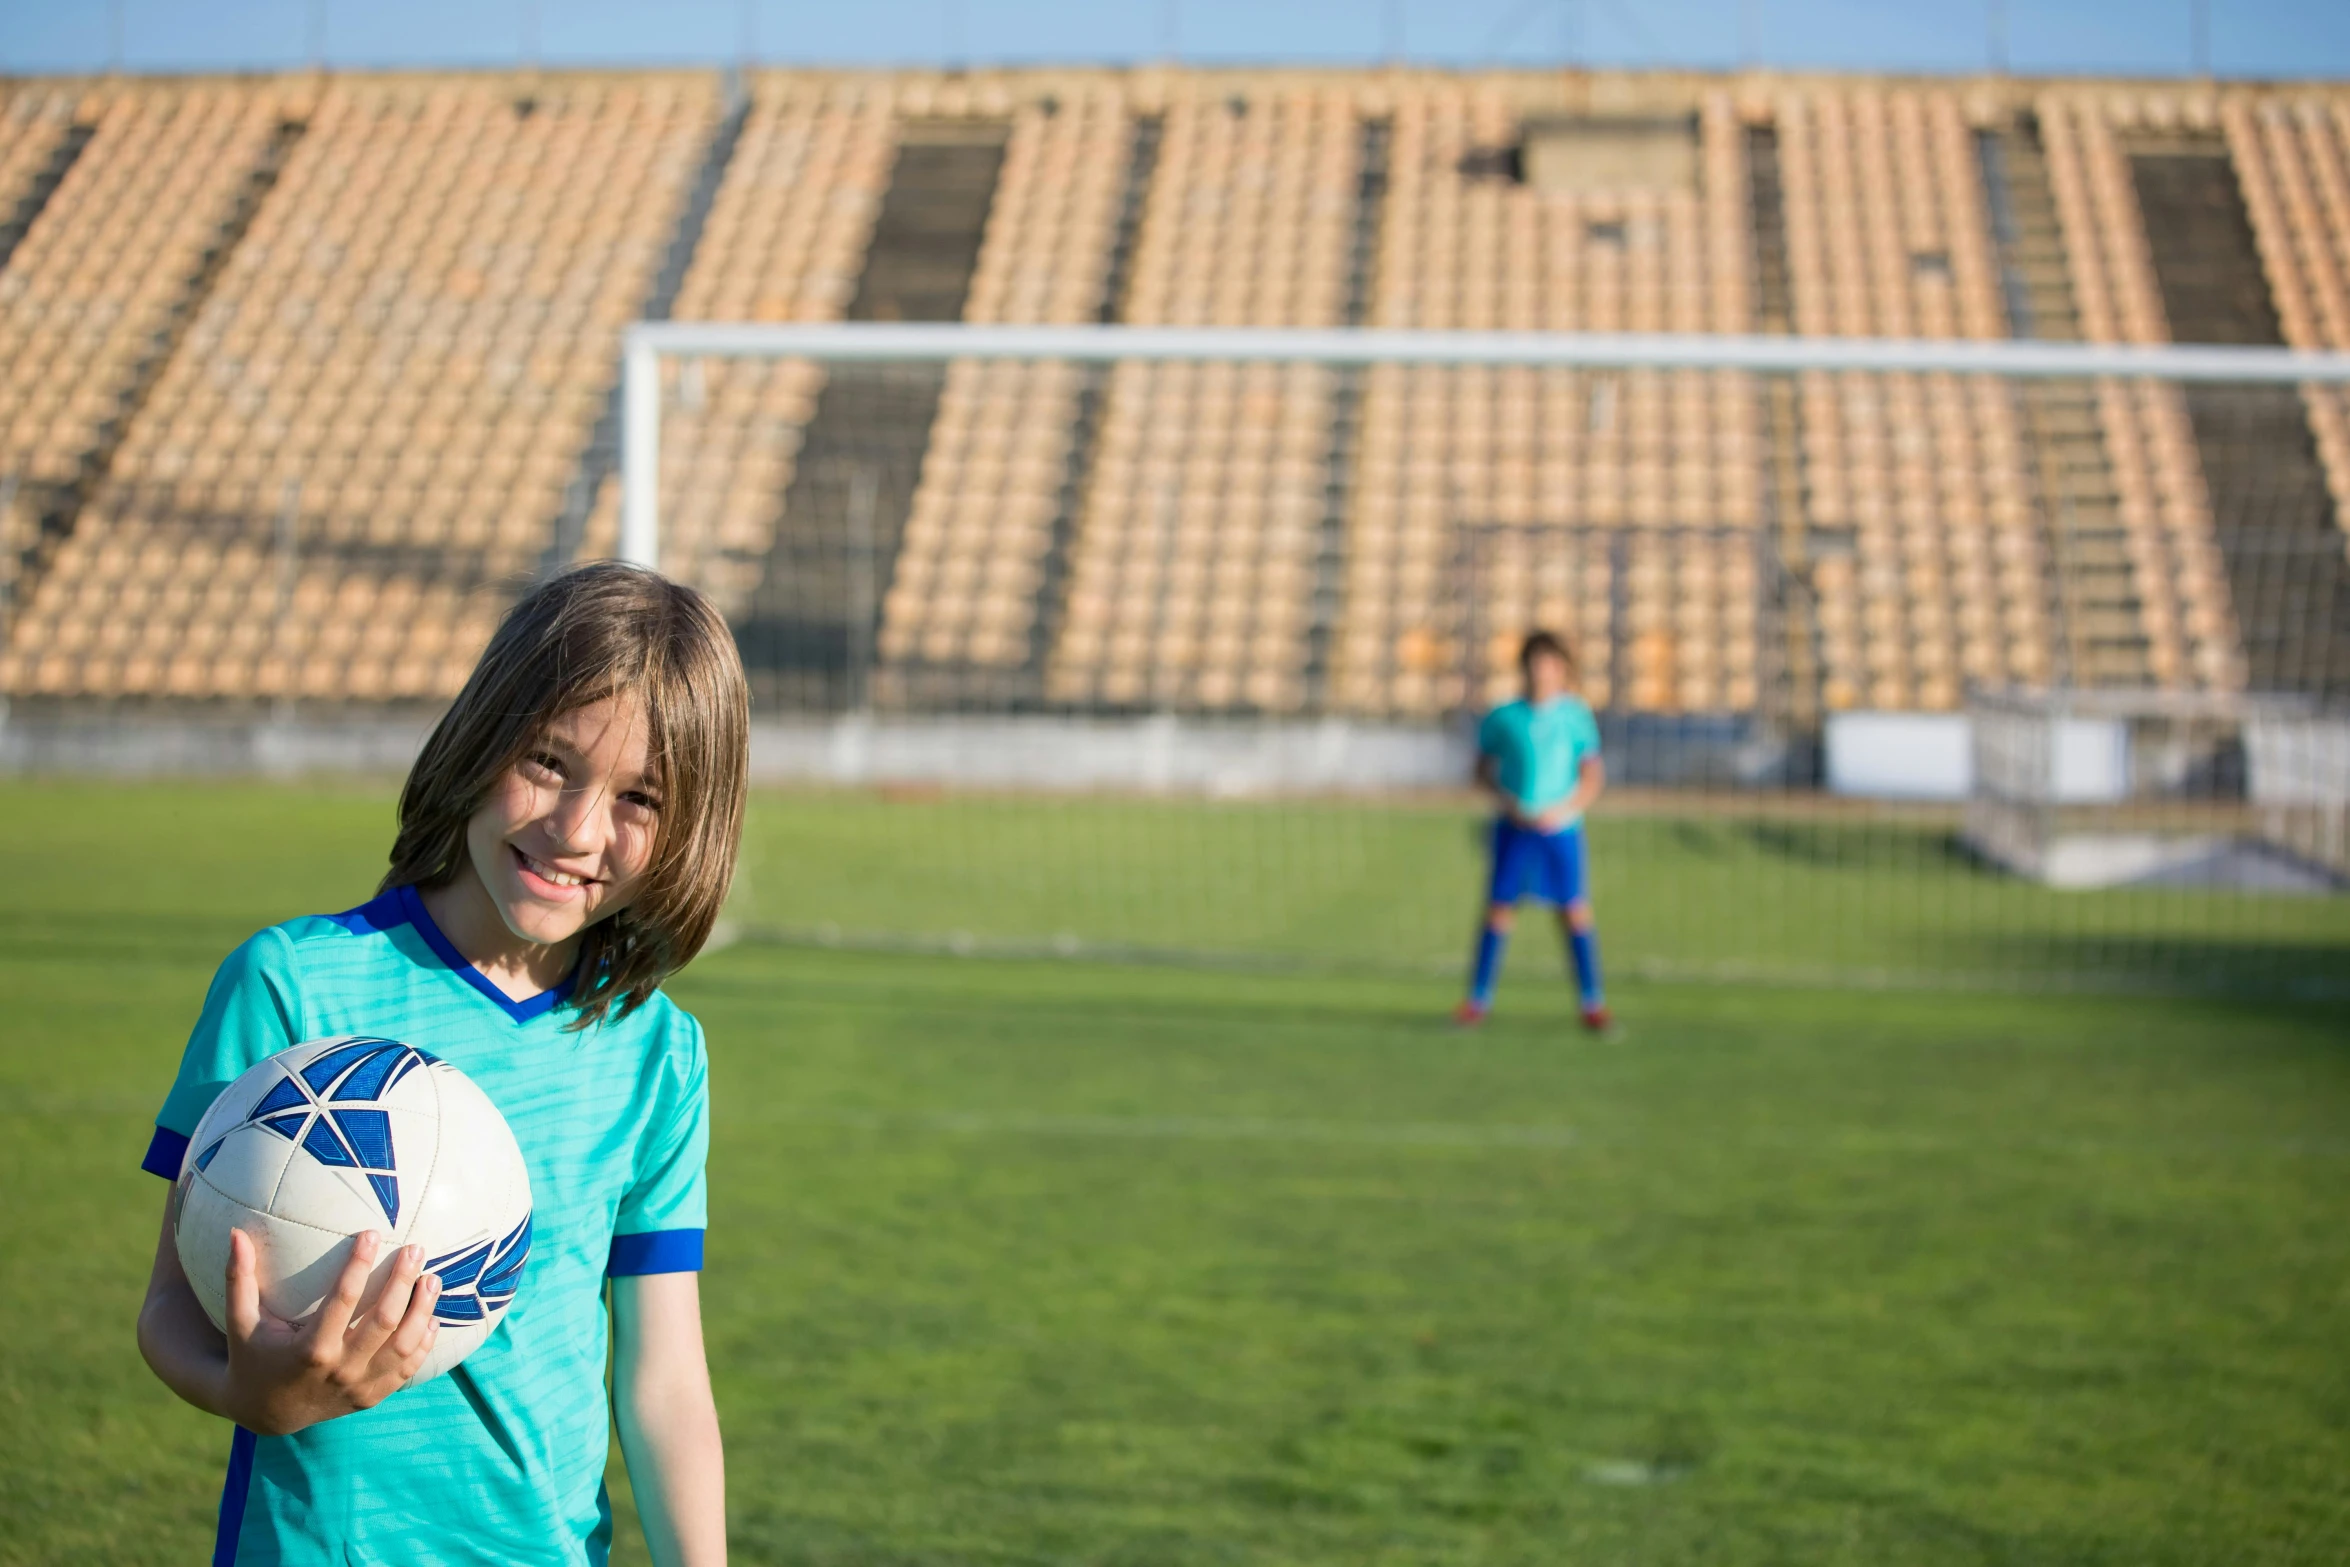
1538 756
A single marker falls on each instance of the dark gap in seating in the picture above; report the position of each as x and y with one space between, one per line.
1791 606
808 637
44 185
1375 138
2093 601
1052 601
2284 547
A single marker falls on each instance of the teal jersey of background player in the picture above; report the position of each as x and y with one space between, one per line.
501 1460
1538 751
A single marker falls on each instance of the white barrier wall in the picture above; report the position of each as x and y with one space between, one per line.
1157 754
1900 756
1931 756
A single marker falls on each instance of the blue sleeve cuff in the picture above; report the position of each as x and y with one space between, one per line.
655 1251
164 1154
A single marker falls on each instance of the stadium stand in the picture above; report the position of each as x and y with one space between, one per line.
89 303
366 436
1192 567
301 378
1628 476
2291 158
1888 237
2177 577
784 241
971 566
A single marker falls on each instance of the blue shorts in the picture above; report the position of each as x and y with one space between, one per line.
1544 866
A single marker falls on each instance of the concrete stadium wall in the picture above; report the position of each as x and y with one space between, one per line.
1158 754
1176 755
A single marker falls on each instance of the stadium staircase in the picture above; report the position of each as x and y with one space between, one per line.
2100 640
1346 409
2277 528
1785 515
43 185
1142 161
808 637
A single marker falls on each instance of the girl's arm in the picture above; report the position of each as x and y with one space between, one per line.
668 1420
276 1377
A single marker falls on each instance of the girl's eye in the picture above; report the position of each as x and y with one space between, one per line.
643 801
543 765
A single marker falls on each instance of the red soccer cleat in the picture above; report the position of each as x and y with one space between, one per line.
1468 1014
1595 1019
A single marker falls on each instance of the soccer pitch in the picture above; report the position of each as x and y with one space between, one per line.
1025 1261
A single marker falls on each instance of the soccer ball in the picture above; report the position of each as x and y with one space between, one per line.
338 1136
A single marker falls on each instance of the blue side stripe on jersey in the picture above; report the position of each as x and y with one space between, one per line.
520 1011
165 1150
655 1251
232 1499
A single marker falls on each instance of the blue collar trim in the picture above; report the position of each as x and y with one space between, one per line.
401 906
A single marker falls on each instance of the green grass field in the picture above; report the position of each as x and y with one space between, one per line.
1025 1262
1736 890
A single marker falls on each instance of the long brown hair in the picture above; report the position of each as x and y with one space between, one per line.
595 632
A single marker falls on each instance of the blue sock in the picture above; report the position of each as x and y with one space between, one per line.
1489 947
1584 944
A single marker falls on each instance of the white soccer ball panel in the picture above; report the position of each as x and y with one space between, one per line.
298 1264
456 1341
244 1163
205 1218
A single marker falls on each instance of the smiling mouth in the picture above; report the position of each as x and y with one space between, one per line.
560 881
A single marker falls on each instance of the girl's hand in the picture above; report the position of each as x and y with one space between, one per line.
283 1376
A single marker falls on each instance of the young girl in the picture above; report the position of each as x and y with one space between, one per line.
565 843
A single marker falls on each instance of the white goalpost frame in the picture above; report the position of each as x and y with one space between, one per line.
646 342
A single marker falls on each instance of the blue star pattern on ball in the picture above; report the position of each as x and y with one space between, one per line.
324 1110
477 1280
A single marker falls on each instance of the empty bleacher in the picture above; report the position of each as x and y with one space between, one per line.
100 279
1488 501
1935 573
300 380
970 571
1191 569
785 240
2280 459
360 447
2177 575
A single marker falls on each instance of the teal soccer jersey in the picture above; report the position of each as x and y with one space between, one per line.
1538 752
502 1460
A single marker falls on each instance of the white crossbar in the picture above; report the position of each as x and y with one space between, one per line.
893 342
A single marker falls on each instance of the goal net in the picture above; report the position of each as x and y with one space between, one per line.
1172 641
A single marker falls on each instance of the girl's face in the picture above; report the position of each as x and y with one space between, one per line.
566 836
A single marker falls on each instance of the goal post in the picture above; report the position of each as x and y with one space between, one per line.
1170 640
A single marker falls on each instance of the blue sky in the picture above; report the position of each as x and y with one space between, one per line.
2150 37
